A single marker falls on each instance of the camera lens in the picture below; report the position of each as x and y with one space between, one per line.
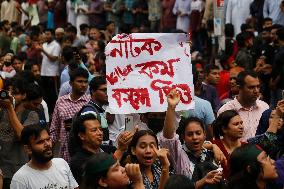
4 94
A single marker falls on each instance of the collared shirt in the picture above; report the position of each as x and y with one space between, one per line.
203 110
249 116
66 77
48 67
181 163
65 108
272 10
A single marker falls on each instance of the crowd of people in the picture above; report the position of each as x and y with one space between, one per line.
55 131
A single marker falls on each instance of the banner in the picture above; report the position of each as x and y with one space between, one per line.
142 68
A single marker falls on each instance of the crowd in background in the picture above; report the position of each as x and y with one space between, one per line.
53 97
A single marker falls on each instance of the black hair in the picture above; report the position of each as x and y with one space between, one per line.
135 139
26 76
79 72
195 75
22 56
19 29
4 22
14 24
67 53
67 38
50 30
229 30
242 76
16 58
276 26
108 23
92 181
101 56
72 29
242 37
79 127
96 82
72 65
31 131
94 27
244 27
35 30
266 19
280 34
18 85
184 122
222 121
33 92
83 26
209 67
101 45
240 177
267 29
179 182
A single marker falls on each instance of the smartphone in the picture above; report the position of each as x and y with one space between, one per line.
68 124
282 94
129 124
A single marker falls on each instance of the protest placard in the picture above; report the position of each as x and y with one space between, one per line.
142 68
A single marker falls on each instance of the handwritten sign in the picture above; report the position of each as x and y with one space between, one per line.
142 68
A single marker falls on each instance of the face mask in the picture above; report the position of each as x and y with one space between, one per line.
7 63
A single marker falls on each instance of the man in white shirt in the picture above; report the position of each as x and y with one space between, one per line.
182 10
237 12
50 68
272 10
42 171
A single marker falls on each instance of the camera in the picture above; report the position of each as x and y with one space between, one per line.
4 94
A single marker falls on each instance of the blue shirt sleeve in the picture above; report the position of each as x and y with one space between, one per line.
82 65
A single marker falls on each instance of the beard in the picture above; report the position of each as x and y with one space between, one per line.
42 157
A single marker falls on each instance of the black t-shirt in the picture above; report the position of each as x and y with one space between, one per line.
78 161
278 67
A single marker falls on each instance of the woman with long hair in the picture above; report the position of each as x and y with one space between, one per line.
251 167
228 129
154 164
191 158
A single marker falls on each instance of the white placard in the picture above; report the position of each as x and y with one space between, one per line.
142 68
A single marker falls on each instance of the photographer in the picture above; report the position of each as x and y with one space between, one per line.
13 117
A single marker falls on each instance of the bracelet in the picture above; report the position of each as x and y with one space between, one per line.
165 169
207 142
